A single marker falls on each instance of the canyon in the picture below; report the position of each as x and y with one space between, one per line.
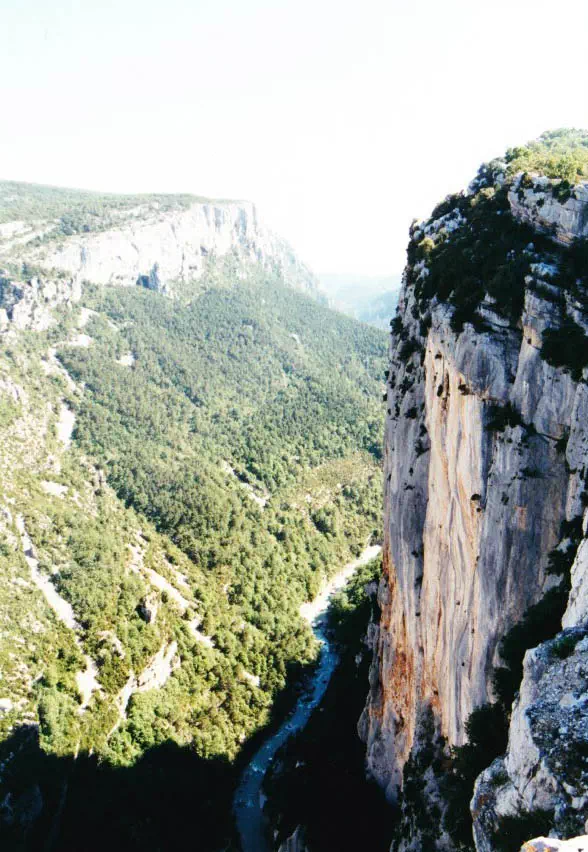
191 449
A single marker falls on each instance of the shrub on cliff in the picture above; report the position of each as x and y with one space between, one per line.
559 154
567 347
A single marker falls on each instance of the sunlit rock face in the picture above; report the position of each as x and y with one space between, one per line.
156 248
467 528
532 201
473 506
148 246
28 304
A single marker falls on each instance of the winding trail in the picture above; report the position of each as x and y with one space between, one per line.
248 799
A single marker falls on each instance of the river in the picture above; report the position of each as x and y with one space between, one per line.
248 802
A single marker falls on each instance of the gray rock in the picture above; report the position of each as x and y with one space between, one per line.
471 514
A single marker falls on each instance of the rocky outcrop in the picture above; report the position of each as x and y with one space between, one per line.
150 245
545 769
485 458
157 248
547 844
28 304
532 200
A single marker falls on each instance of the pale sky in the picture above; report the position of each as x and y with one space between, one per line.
342 120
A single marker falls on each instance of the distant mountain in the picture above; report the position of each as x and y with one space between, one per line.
369 298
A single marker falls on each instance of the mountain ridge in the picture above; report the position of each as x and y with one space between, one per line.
162 242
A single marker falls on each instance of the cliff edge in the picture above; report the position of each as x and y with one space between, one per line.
486 458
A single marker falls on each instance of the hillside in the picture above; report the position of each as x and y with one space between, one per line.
478 682
182 466
66 237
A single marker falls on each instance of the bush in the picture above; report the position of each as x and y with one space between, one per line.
513 831
501 416
540 623
566 347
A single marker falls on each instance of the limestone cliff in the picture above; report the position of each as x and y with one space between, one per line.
486 451
155 245
545 768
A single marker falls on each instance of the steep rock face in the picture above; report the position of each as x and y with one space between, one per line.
531 200
545 768
479 471
465 554
149 246
28 304
157 248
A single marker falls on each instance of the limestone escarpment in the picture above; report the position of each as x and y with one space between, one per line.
160 248
485 459
545 768
531 200
28 304
147 245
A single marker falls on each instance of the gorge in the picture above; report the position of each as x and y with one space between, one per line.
182 467
191 449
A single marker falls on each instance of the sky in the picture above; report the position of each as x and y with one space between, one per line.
341 120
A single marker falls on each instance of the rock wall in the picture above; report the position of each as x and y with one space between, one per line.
479 475
546 844
532 200
157 247
149 246
545 768
28 304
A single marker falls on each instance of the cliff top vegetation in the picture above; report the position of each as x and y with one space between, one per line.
561 153
31 202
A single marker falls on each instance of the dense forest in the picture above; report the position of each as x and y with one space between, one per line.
225 461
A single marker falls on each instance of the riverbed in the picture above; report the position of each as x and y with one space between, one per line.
248 801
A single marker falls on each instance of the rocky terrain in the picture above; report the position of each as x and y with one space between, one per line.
486 457
155 243
182 466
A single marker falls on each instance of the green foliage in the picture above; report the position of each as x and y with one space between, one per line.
559 154
9 412
483 256
235 465
567 347
77 210
481 252
237 396
514 831
565 645
501 416
540 623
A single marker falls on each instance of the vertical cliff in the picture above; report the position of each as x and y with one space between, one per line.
485 461
53 240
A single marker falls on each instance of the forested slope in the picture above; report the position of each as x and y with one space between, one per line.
183 473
